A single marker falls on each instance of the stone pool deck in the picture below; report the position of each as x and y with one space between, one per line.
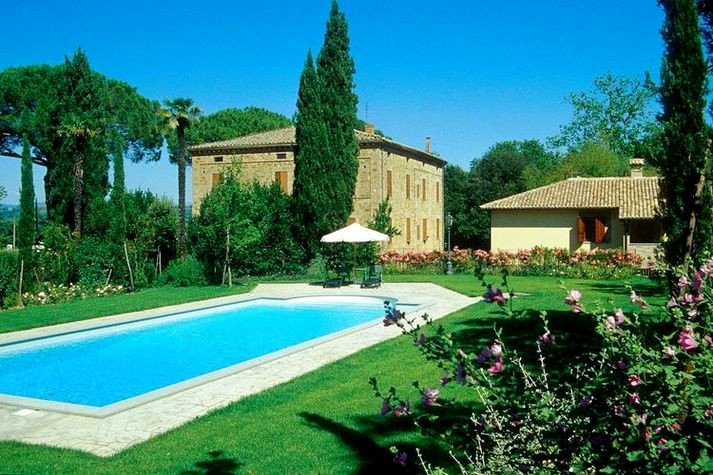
113 433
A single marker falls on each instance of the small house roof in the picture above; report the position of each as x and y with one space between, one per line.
636 198
285 137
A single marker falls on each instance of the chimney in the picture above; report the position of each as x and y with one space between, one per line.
428 144
637 167
369 128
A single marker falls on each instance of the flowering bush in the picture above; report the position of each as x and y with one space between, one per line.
597 263
640 401
53 293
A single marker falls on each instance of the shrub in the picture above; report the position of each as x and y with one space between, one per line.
640 402
9 274
94 259
186 272
49 293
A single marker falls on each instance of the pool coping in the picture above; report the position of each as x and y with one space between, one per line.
104 432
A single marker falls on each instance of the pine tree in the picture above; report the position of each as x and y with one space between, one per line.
685 198
26 222
335 71
313 188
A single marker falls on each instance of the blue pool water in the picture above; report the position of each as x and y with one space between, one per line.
104 366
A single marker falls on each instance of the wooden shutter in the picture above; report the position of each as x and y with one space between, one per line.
281 179
389 184
423 185
600 230
581 230
425 229
215 178
408 229
438 227
408 187
438 192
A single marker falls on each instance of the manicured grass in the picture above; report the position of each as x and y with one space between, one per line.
327 421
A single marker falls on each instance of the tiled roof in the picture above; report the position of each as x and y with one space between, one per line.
636 198
286 137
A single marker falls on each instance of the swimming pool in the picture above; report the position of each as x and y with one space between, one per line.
104 366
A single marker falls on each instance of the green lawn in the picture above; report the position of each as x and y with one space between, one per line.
326 421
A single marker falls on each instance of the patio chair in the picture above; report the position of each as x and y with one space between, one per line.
372 279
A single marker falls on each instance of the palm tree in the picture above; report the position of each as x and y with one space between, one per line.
80 132
179 114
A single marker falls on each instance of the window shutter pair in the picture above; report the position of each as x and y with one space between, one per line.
581 230
600 230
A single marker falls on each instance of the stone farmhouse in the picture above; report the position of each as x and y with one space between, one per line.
581 214
411 179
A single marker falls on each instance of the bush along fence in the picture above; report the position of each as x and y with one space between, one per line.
597 263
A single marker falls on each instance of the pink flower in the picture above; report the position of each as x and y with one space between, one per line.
429 396
682 282
686 340
634 380
709 411
496 349
610 324
494 295
634 398
402 409
496 367
573 297
619 317
546 338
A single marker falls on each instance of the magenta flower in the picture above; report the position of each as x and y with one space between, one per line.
686 340
682 282
402 409
429 396
709 411
634 398
401 458
494 295
484 355
634 380
496 367
621 364
546 338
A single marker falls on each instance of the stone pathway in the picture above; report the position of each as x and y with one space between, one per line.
108 435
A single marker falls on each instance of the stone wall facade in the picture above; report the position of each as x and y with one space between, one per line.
414 187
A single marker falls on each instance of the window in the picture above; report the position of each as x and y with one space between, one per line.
423 187
408 230
408 187
218 159
438 192
418 231
593 229
389 184
281 156
424 228
418 191
214 179
438 225
281 179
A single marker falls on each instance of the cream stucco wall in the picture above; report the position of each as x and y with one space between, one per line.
375 166
525 229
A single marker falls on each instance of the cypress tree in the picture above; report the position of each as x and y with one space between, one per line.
685 206
26 222
313 187
117 230
335 71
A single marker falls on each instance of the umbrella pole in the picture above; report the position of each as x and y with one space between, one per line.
354 256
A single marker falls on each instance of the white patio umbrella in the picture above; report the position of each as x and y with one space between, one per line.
354 233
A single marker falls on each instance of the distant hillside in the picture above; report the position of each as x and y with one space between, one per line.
13 211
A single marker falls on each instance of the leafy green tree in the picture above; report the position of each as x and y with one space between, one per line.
3 192
686 201
338 102
312 191
457 201
244 228
618 113
42 101
26 222
591 160
181 113
229 123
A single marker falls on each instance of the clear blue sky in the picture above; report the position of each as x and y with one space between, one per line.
467 73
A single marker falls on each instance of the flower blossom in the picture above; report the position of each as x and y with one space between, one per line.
634 398
634 380
401 458
429 396
669 352
496 367
496 349
573 300
546 338
686 340
494 295
709 411
402 409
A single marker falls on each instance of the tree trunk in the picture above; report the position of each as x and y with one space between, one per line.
78 190
181 162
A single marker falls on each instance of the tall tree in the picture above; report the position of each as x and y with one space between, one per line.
311 192
180 114
686 202
618 113
41 101
335 71
26 222
117 205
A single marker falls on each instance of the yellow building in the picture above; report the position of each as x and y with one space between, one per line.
581 214
411 179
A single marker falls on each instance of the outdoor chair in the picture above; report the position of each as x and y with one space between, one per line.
372 279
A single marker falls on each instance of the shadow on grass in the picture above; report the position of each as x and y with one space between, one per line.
374 458
216 464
